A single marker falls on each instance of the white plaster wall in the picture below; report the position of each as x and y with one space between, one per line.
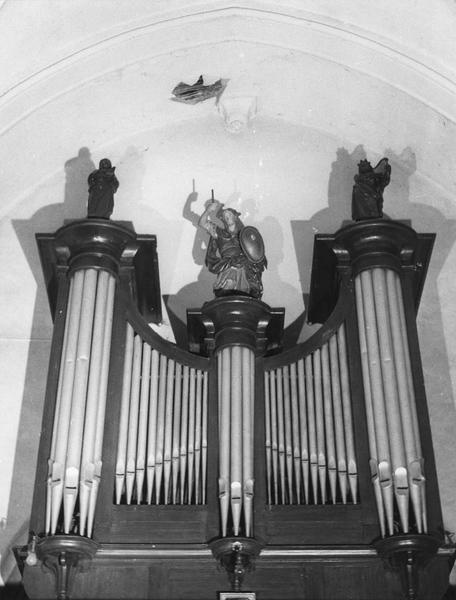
334 82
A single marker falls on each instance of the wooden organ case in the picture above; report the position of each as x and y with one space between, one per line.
299 474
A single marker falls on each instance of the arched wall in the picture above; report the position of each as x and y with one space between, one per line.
333 84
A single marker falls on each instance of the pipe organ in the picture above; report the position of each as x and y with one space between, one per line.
163 469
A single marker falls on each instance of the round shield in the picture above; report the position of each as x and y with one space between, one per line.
252 243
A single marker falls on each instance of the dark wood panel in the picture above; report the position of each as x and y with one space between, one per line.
159 524
273 578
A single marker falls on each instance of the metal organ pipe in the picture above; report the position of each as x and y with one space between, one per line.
274 440
373 461
395 448
176 429
63 403
96 402
236 447
407 405
184 433
75 458
341 463
309 428
133 418
224 359
347 413
308 418
329 422
124 411
152 431
248 395
319 418
204 436
142 426
236 404
295 426
162 440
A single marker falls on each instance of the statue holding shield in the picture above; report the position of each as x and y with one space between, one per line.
235 253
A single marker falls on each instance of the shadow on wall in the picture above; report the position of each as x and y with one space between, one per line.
77 171
330 219
48 218
194 294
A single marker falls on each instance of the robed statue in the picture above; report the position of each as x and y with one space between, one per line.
235 252
103 185
367 198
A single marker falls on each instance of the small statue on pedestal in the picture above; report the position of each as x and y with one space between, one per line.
103 185
367 198
235 252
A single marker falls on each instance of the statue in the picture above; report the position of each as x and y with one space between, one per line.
103 185
235 253
367 198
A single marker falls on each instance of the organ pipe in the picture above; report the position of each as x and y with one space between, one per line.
307 405
347 413
176 430
124 411
225 424
296 437
96 402
308 418
274 439
162 435
319 417
204 444
236 403
133 419
390 405
248 398
75 456
152 430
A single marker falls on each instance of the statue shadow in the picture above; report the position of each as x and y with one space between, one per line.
77 171
194 294
329 219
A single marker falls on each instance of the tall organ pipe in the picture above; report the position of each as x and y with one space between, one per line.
390 403
75 458
236 394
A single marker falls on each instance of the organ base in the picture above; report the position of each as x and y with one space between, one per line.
237 556
129 571
408 555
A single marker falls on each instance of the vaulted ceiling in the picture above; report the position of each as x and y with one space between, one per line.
361 72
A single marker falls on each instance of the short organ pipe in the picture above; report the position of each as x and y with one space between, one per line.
163 425
309 429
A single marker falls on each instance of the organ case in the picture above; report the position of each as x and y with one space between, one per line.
154 460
